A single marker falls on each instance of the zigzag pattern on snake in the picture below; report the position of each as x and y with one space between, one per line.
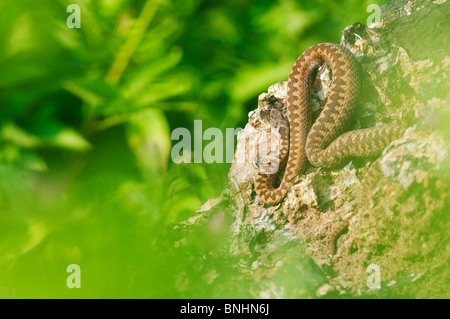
326 143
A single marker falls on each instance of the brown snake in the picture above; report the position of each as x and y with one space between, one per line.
325 143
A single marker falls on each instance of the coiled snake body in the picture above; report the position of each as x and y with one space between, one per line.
325 143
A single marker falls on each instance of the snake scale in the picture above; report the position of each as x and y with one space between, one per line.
326 143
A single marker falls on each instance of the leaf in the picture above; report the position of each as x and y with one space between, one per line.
70 139
33 162
66 37
32 233
93 91
141 79
178 208
65 137
9 153
21 37
149 139
16 135
171 86
16 72
252 81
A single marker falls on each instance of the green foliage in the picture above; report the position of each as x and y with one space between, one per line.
85 122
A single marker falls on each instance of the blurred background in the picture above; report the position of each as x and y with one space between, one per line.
86 117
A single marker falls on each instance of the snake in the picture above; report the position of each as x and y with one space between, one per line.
326 143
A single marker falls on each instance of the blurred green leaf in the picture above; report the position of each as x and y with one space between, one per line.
180 207
33 162
26 237
69 139
16 72
93 91
160 91
253 80
149 138
21 38
64 137
16 135
140 80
